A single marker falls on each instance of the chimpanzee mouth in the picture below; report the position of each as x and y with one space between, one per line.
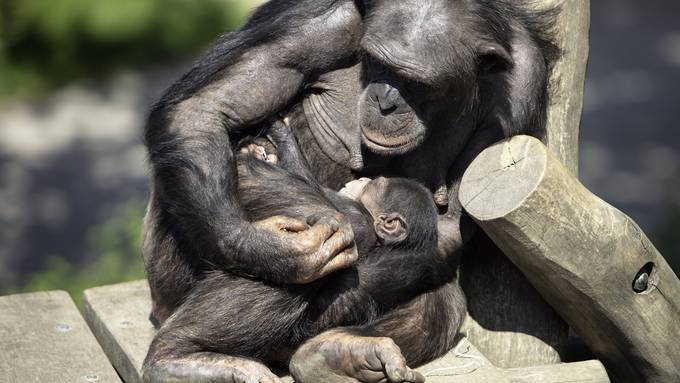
404 145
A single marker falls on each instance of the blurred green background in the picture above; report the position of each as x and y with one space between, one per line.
46 46
78 76
47 43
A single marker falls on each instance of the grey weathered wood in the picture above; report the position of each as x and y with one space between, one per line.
591 371
43 338
463 364
510 323
118 315
582 254
508 320
568 78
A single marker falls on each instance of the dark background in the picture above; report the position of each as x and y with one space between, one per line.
77 77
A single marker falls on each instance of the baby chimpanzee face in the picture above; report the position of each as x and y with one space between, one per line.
403 210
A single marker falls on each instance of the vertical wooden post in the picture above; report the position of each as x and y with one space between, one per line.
508 320
568 79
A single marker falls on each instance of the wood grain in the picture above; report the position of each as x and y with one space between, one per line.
589 260
43 338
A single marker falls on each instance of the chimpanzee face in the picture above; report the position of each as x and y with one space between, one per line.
422 61
402 209
390 225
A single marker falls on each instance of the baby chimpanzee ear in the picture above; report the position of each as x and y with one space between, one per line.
391 228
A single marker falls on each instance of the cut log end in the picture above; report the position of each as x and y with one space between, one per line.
502 177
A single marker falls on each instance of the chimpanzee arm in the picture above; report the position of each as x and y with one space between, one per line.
410 335
249 76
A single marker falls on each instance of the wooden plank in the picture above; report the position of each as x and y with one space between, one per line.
591 371
118 315
589 260
464 364
43 338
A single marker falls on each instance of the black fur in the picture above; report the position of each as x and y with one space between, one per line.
243 317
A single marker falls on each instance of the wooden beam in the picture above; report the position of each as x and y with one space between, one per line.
590 261
43 338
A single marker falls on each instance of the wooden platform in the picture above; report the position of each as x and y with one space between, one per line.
43 338
118 316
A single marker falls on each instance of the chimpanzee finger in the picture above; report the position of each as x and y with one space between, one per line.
281 223
342 239
320 232
370 376
341 261
395 366
413 376
290 224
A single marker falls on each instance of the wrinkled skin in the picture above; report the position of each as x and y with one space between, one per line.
434 82
348 358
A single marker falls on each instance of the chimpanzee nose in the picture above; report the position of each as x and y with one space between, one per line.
387 97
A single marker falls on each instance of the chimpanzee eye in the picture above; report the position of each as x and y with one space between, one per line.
376 68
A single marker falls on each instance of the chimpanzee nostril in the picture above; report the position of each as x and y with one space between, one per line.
387 97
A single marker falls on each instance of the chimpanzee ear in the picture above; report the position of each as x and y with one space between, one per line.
493 58
391 228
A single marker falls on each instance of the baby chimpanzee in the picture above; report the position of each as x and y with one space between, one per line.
395 226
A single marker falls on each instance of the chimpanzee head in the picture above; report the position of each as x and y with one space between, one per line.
426 62
403 212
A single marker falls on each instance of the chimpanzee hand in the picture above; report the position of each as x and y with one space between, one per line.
338 356
316 251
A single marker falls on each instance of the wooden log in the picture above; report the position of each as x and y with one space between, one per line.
43 338
510 323
589 260
119 317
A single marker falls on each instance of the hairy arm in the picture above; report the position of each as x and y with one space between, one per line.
249 76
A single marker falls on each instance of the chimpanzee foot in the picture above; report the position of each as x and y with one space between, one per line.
338 356
208 368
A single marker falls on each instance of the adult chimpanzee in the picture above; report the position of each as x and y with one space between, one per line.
395 225
435 81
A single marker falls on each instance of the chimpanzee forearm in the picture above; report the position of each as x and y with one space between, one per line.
248 77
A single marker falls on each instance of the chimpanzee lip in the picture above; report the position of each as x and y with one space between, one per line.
379 147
